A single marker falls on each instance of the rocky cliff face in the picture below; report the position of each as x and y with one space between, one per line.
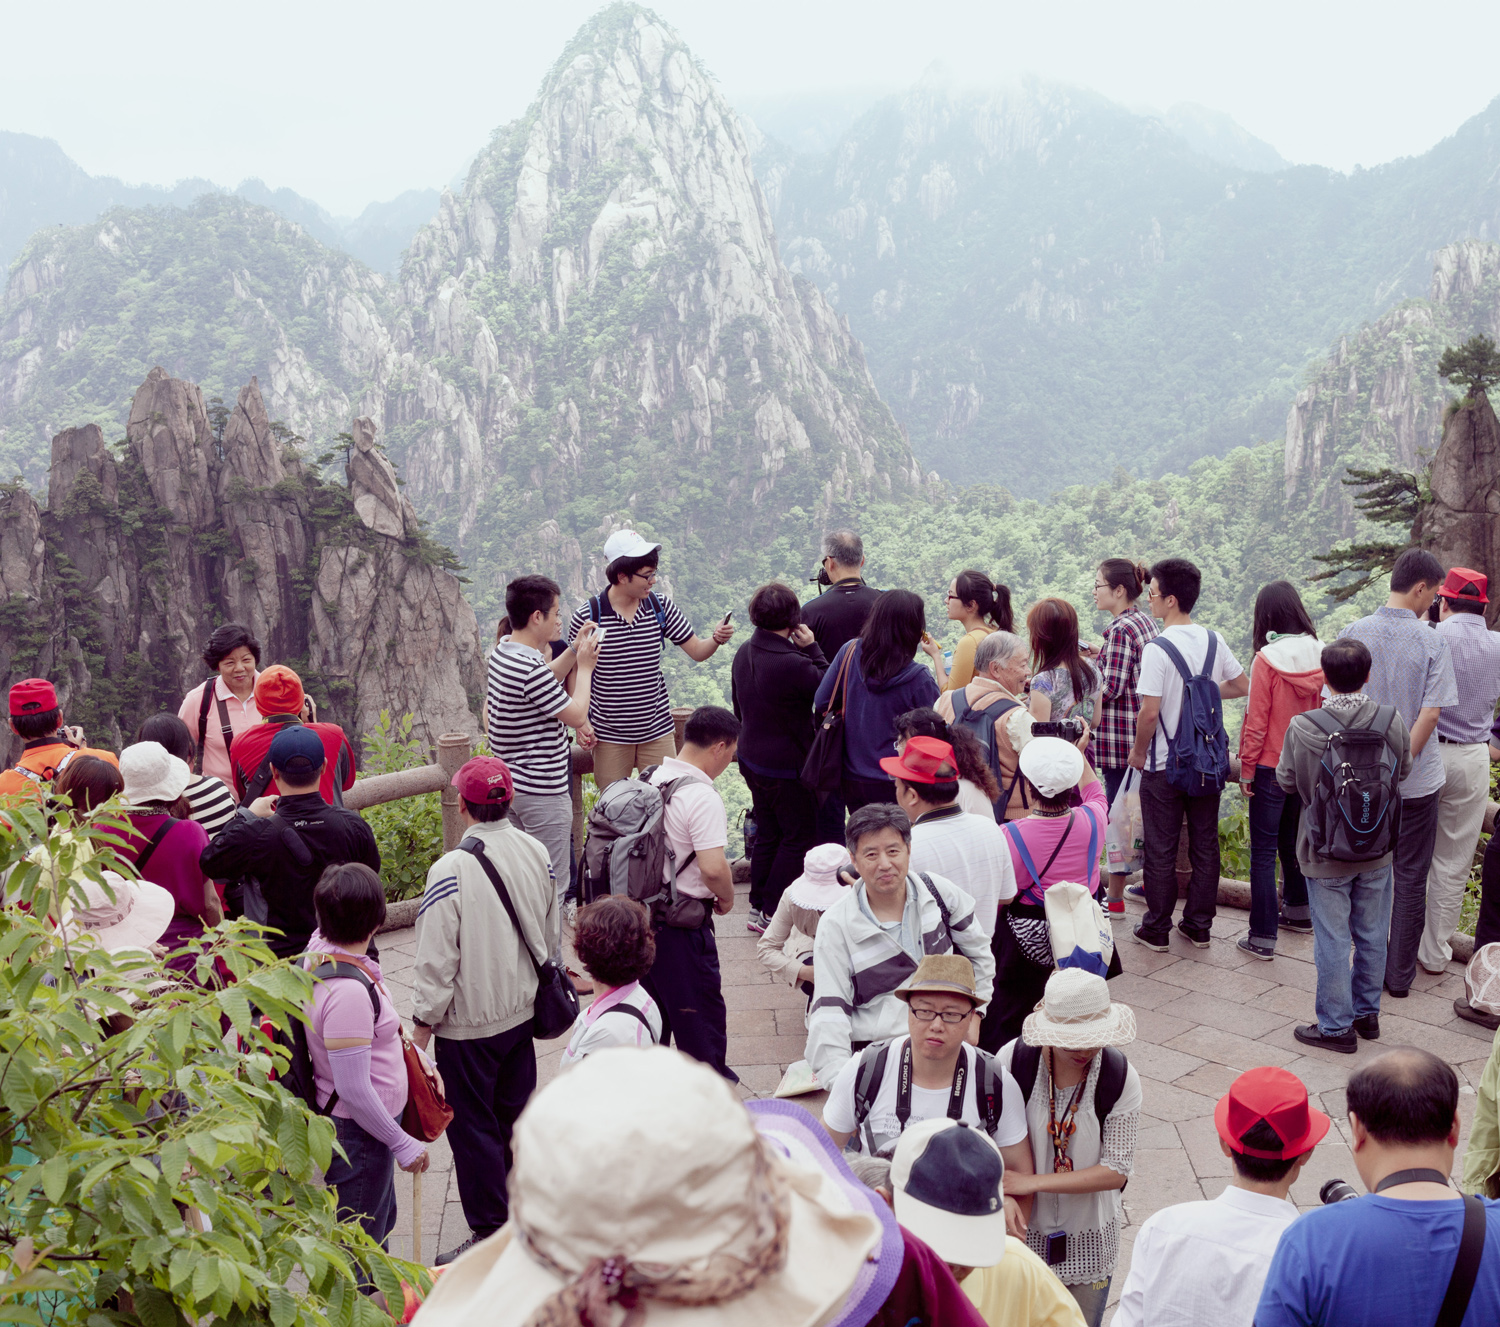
1461 523
112 589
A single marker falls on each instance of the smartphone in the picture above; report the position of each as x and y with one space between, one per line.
727 617
599 635
1056 1245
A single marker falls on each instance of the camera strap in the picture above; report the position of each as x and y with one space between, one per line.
903 1086
1411 1177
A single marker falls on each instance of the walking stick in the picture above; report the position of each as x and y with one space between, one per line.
416 1217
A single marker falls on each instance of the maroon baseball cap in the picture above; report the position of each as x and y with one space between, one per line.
35 695
922 761
484 779
1467 584
1278 1098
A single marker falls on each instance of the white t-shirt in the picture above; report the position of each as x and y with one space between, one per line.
927 1103
973 852
1159 677
695 820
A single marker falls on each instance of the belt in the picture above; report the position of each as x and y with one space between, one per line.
1453 741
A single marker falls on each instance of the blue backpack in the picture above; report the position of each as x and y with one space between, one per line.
1198 752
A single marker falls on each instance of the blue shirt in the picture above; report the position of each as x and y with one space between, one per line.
871 709
1376 1262
1412 669
1476 668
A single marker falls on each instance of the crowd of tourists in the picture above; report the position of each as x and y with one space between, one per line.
940 848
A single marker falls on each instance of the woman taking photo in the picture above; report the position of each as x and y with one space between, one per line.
1118 584
875 678
773 681
1286 679
1083 1112
356 1053
982 606
978 788
220 709
1063 685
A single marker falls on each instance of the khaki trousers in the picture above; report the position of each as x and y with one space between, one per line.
616 760
1461 803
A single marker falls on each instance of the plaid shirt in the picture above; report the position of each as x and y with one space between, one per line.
1120 663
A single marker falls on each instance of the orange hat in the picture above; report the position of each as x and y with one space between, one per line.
278 690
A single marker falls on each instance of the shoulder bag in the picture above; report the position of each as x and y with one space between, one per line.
555 1009
427 1113
823 770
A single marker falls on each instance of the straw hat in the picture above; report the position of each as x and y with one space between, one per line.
672 1194
817 889
941 974
151 773
1076 1014
136 918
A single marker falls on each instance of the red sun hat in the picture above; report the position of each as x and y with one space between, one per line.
922 762
278 690
1280 1099
484 779
35 695
1467 584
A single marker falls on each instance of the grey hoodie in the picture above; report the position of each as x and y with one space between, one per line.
1297 772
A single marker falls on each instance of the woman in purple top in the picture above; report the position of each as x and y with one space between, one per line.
165 846
356 1051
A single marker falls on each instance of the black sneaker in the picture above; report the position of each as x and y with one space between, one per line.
1302 925
443 1259
1160 946
1397 995
1346 1044
1199 939
1368 1026
1255 950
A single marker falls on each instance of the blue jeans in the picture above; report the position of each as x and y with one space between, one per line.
1273 832
366 1182
1092 1296
1357 909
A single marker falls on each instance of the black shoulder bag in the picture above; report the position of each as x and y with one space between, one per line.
823 770
556 1006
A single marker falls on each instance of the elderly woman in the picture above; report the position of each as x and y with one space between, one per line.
1083 1111
786 947
993 710
872 939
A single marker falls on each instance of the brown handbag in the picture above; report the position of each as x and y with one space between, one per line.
426 1114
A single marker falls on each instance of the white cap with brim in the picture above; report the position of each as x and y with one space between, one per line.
1052 765
948 1180
627 544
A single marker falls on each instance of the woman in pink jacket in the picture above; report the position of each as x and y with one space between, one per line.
1285 679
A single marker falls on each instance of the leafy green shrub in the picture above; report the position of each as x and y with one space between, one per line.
409 832
1234 836
115 1134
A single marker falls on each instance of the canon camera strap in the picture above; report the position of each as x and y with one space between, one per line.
903 1086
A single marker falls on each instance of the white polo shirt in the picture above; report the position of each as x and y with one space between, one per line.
972 851
695 820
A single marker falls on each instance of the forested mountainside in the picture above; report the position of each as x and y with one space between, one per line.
1039 273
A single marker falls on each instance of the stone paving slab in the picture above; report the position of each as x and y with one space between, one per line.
1203 1016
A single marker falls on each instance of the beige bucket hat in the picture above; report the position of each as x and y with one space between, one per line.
941 974
1076 1014
670 1198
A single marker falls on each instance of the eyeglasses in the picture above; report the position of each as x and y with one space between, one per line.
950 1017
646 574
952 596
1101 585
1153 593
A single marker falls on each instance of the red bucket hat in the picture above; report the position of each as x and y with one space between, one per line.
1467 584
35 695
1278 1098
922 762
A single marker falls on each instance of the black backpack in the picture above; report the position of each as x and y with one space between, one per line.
1025 1060
596 608
980 724
988 1088
1356 802
297 1077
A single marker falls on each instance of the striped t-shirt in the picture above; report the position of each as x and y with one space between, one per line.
525 732
210 803
628 695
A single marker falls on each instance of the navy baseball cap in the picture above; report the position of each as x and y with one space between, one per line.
948 1180
297 753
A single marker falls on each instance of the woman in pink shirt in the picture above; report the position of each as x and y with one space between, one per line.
219 710
1058 841
354 1039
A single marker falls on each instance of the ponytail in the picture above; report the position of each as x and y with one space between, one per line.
1123 574
990 597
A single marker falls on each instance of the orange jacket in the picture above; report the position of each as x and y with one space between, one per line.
1286 679
41 764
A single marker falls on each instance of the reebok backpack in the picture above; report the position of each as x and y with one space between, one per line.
1198 752
626 849
1356 801
980 724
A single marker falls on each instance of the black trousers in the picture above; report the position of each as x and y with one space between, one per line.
1487 927
488 1082
1416 836
786 826
685 983
861 792
1161 822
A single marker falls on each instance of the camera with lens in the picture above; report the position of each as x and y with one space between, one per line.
1337 1191
821 578
1070 730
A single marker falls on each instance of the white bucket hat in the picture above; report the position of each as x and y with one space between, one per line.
627 544
672 1194
151 773
817 888
136 918
1052 765
1076 1014
947 1178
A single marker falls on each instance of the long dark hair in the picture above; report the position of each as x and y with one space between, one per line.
990 597
1052 625
891 634
1279 608
968 755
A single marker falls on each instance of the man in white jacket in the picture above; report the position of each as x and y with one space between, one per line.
871 941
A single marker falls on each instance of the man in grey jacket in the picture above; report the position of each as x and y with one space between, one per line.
476 984
1348 906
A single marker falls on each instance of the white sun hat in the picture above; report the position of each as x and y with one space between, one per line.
1076 1014
151 773
627 544
671 1194
136 918
947 1178
818 888
1482 979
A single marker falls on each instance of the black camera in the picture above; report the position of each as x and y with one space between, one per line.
1070 730
1337 1191
821 578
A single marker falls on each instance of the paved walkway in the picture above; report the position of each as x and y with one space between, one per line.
1203 1017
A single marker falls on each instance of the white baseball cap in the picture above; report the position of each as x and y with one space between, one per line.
627 544
1052 765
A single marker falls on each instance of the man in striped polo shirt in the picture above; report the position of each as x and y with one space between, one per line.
628 705
529 714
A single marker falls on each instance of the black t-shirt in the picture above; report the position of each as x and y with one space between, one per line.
838 615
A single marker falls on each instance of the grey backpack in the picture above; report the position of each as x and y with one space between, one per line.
626 851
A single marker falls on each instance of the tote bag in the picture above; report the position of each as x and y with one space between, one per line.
823 770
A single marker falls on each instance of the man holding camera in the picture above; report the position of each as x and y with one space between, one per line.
1412 1250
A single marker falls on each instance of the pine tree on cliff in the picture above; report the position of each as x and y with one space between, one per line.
1475 365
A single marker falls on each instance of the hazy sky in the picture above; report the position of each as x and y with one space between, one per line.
347 103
